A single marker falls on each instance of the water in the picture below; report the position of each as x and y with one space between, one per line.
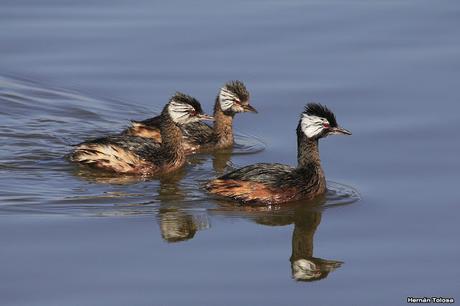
76 70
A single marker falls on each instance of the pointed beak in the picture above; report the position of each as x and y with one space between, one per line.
339 131
249 108
205 117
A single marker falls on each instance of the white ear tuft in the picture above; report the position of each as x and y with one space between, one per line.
304 269
179 112
226 99
312 126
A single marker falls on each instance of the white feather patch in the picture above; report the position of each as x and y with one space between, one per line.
107 156
312 125
180 112
304 269
226 99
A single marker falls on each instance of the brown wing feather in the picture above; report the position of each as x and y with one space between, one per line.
250 192
142 130
111 157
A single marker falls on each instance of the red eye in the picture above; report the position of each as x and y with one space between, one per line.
237 102
326 125
193 113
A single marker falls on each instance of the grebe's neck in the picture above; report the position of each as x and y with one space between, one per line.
223 126
307 151
302 237
309 164
171 136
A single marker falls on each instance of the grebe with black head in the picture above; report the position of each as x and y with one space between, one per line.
138 155
233 98
276 183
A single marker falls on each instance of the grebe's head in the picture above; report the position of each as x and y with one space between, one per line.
185 109
234 98
318 121
313 269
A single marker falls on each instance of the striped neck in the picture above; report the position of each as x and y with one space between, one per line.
223 126
171 136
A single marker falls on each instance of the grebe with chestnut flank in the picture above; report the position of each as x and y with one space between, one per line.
233 98
138 155
276 183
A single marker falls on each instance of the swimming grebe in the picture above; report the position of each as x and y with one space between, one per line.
233 98
137 155
276 183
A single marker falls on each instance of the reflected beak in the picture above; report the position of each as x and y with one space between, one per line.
205 117
339 131
249 108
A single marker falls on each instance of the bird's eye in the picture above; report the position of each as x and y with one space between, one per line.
326 125
193 113
237 102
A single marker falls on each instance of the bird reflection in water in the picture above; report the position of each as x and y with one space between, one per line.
105 177
306 219
177 223
179 220
173 204
304 266
221 161
177 216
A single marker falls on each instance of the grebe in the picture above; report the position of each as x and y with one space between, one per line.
304 266
276 183
233 98
137 155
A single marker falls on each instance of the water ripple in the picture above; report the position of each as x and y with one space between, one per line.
37 179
